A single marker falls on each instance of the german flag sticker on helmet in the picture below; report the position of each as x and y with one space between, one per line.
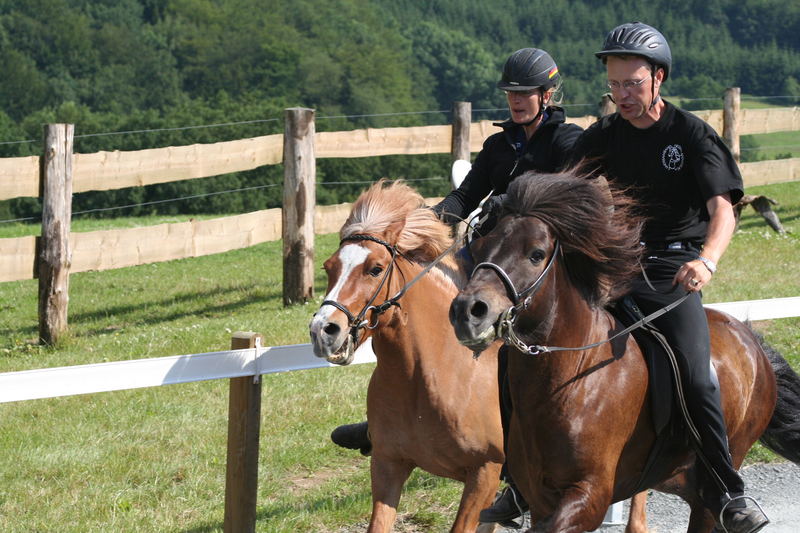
553 72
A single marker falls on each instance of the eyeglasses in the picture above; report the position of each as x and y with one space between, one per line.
627 84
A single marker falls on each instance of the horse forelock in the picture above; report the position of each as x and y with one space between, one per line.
421 236
595 225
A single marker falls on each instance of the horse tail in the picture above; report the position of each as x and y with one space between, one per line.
783 432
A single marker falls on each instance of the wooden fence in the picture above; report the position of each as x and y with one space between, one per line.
242 365
58 173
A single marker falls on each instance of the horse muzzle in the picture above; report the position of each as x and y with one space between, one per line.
472 322
331 341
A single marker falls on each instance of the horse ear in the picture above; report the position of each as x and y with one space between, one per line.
393 231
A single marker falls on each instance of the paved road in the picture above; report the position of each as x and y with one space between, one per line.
776 487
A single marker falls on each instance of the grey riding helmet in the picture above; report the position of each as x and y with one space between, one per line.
529 68
638 39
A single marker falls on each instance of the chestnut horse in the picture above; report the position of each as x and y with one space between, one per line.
581 429
429 404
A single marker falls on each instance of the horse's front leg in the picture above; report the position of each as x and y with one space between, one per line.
637 517
480 486
388 478
581 508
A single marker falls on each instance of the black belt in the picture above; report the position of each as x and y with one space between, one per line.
675 245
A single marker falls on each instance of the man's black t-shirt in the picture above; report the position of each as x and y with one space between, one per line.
672 168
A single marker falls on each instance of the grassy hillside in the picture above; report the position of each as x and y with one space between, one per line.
154 459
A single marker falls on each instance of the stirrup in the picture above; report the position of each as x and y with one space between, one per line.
721 524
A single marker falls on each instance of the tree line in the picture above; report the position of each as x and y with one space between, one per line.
162 65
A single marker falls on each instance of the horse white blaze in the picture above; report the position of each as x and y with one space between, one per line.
351 256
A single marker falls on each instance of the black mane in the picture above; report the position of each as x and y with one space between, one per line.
598 231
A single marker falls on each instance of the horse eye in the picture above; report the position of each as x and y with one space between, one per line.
537 256
375 271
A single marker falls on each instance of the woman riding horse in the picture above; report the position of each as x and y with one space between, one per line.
535 137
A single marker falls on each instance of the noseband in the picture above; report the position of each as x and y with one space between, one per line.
504 327
522 299
356 322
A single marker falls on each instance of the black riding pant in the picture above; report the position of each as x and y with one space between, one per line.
686 329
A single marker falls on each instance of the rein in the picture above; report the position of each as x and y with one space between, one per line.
357 322
504 327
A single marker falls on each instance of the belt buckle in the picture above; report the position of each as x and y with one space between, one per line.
677 245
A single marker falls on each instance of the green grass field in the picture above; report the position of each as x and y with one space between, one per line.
768 146
154 459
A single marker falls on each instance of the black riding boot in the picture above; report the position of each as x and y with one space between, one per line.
508 506
354 437
737 517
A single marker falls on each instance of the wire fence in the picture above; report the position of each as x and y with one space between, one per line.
356 116
208 194
325 117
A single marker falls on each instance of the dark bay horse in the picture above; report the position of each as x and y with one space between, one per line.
429 403
581 429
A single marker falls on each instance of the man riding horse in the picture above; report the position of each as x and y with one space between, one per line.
686 179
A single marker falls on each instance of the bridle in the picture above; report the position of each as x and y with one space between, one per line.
504 327
358 321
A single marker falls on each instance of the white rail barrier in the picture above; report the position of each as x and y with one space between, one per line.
154 372
138 373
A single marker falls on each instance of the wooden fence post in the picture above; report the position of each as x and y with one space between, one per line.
244 426
54 255
730 120
299 202
462 118
607 105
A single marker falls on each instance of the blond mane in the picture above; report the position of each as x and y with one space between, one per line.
397 213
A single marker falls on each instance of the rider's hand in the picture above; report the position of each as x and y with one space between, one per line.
493 204
693 276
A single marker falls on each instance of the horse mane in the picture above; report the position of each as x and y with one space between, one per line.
397 213
595 223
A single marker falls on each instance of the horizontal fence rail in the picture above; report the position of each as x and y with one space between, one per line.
59 252
118 248
154 372
19 176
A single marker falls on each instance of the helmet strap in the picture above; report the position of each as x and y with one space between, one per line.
654 99
541 110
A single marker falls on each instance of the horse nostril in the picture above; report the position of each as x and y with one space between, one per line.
479 309
331 329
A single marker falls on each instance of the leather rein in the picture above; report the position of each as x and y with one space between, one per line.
359 321
504 327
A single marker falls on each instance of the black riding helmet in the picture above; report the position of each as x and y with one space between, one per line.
638 39
529 68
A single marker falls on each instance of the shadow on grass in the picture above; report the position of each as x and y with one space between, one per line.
164 310
752 223
160 310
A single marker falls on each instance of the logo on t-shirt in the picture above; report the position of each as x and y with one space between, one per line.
672 157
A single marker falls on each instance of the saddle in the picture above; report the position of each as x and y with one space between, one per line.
654 349
668 415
